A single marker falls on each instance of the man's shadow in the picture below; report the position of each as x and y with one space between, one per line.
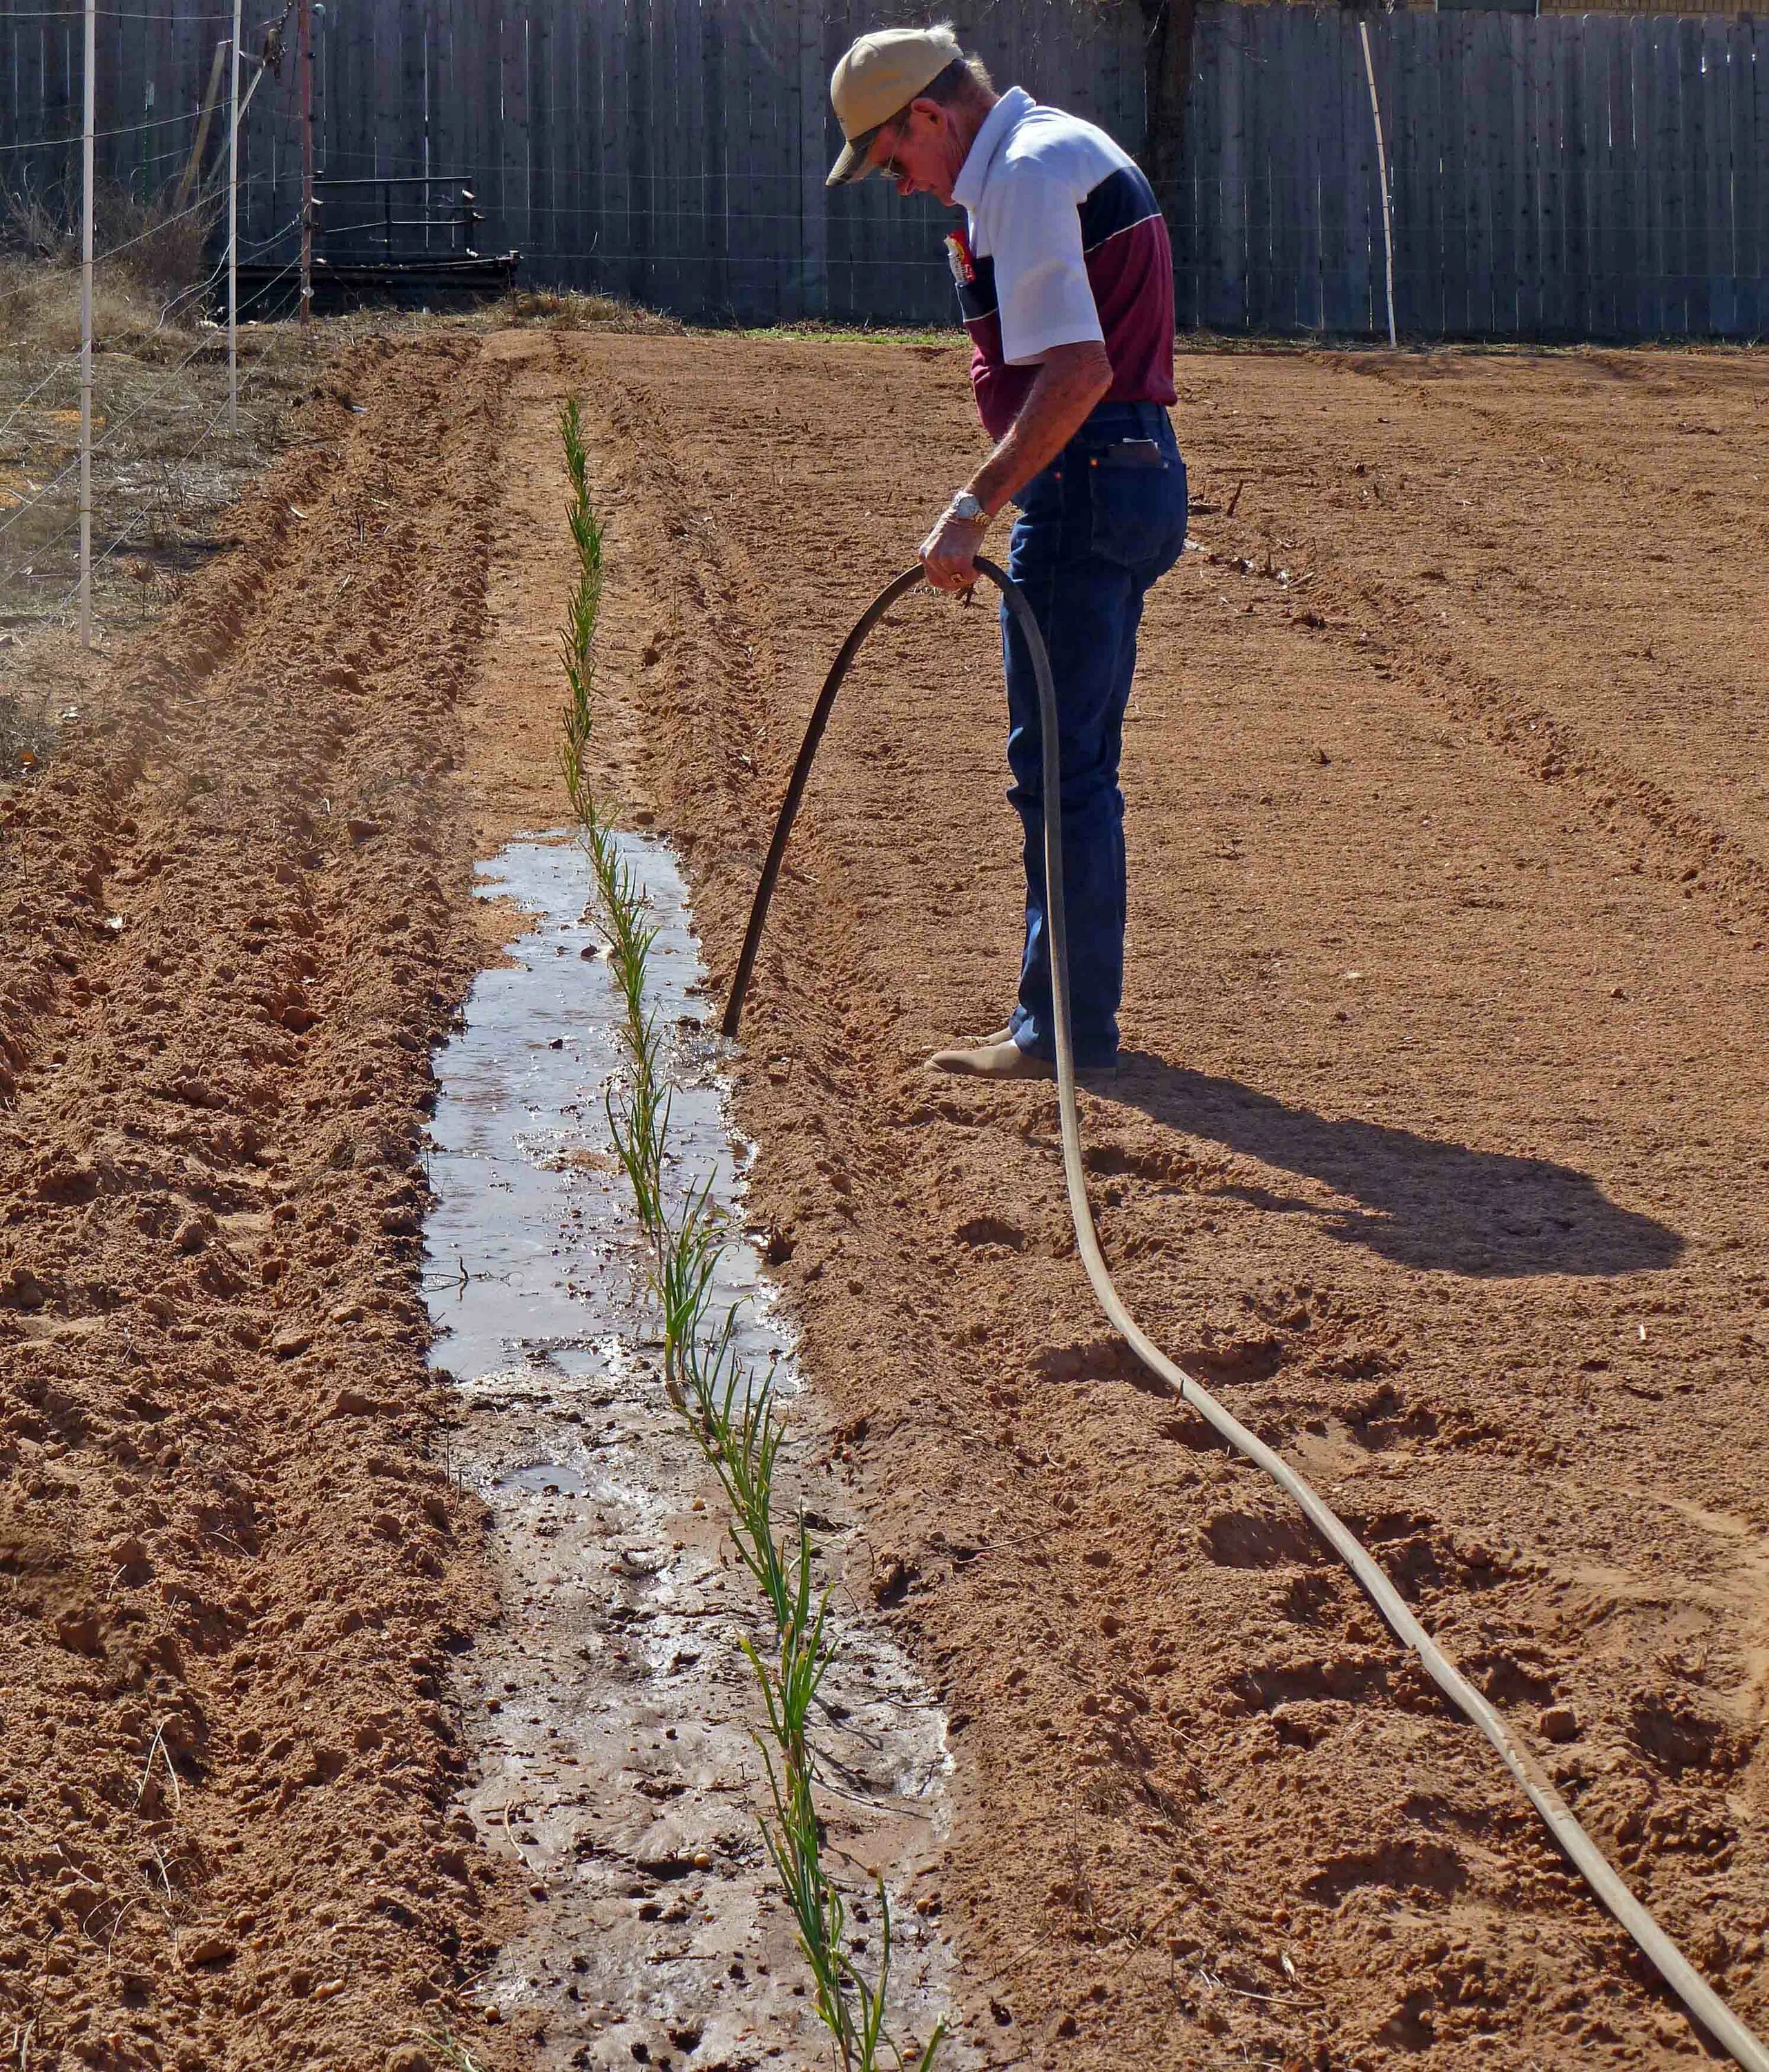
1418 1200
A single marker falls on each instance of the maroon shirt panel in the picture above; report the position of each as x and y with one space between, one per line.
1131 275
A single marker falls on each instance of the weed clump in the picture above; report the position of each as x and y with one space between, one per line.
729 1409
151 281
574 309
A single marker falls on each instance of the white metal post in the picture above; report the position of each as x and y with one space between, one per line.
813 281
233 235
86 335
1382 174
304 62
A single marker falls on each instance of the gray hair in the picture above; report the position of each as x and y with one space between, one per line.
967 75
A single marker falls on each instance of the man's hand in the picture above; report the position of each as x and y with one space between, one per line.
949 552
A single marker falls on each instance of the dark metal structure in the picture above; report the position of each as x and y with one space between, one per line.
410 240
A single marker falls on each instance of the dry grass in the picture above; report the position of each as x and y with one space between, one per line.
164 465
26 735
40 311
163 461
568 308
149 252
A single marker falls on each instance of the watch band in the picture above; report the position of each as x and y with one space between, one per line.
968 507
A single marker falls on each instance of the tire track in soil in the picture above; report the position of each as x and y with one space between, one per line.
1515 442
232 1574
1665 833
1439 1224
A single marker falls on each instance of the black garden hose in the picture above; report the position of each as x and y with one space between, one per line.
1703 2004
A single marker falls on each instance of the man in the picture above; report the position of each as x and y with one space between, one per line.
1066 281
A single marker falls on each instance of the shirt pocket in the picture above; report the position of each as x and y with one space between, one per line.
1139 511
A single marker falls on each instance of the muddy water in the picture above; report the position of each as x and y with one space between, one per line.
611 1713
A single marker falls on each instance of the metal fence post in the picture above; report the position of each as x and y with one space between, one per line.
233 234
1382 175
304 65
86 331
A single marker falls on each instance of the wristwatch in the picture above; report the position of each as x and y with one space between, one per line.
968 507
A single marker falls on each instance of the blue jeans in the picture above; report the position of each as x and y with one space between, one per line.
1097 528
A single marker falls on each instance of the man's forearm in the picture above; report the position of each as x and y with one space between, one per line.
1069 383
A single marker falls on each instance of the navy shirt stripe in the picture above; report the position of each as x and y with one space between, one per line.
1120 200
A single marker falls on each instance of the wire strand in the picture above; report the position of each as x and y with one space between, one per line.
127 129
153 229
99 560
67 360
79 14
110 432
56 539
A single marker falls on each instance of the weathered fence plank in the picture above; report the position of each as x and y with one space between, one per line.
1719 295
1754 193
1337 110
1233 169
1580 71
1661 208
1542 81
1366 302
1685 146
1740 62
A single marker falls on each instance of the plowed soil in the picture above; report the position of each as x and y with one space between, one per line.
232 1570
1439 1149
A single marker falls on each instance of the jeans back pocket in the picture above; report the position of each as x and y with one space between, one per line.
1139 509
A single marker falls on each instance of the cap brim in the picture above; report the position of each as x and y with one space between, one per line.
851 164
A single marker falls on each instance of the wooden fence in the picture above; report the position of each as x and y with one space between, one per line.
1569 176
1598 175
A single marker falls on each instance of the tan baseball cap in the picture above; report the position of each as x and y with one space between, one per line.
877 78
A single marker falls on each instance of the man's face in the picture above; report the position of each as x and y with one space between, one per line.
919 151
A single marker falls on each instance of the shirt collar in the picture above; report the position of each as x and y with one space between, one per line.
1004 117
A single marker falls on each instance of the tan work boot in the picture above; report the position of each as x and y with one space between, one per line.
996 1060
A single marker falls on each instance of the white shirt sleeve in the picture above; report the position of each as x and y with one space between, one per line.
1041 284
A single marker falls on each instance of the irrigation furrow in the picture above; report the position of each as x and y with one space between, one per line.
729 1409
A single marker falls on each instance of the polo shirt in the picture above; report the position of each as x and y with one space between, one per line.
1063 243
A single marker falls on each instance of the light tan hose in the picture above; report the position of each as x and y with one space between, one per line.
1703 2004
